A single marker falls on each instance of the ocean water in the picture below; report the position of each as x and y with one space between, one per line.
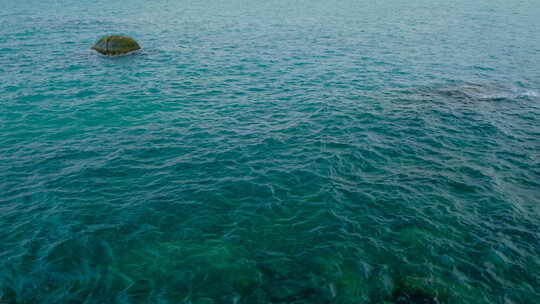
270 152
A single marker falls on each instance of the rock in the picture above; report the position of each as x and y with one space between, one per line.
434 290
203 301
344 278
257 296
115 45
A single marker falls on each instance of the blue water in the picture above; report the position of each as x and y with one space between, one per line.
270 152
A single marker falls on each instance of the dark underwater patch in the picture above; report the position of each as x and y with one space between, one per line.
470 93
415 297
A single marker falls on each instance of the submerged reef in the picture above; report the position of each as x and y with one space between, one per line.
477 92
217 271
115 45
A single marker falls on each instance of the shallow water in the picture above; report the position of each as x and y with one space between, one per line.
270 152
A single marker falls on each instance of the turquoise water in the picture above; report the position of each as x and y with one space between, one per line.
270 152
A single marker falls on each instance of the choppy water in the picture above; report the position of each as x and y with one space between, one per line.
270 152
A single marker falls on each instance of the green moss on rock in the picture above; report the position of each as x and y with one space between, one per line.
115 45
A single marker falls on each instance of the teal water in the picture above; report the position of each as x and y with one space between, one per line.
270 152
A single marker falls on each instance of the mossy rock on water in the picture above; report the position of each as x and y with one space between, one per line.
115 45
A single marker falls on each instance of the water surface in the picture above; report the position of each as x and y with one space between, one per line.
270 152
